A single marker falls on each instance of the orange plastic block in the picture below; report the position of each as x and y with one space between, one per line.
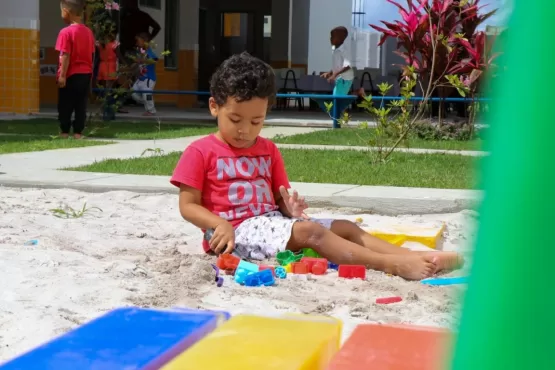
394 347
266 267
317 266
299 268
227 262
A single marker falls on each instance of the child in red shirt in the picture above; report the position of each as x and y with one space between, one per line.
76 45
234 182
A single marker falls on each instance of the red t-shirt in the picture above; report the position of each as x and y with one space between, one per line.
236 184
77 40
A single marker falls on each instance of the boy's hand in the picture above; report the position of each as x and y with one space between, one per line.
62 81
332 78
326 75
295 205
223 240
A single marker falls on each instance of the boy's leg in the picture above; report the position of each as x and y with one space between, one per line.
307 234
342 87
350 231
149 98
138 86
65 107
82 86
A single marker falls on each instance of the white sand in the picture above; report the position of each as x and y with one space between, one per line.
138 251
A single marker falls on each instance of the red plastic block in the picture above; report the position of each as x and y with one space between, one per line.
299 268
352 271
227 262
311 261
319 268
266 267
388 300
394 347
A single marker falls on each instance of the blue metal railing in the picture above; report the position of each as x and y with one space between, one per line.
332 98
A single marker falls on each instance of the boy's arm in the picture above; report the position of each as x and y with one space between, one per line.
64 65
346 65
192 211
64 47
154 25
279 179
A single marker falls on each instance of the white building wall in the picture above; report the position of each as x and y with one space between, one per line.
300 31
20 14
324 16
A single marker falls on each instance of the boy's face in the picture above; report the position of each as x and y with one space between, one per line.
240 124
140 42
336 38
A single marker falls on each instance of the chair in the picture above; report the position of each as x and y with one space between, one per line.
290 86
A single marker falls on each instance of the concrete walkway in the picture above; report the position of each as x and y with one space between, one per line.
42 169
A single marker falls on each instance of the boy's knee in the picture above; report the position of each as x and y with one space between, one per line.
308 232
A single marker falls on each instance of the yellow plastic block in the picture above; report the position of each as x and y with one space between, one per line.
428 235
252 343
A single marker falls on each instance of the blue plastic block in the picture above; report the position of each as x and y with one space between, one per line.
126 338
280 272
243 269
264 277
446 281
332 266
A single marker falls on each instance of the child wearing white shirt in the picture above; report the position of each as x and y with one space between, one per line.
342 72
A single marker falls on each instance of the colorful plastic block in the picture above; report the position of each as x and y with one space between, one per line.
126 338
288 268
388 300
280 272
332 266
321 265
299 268
266 267
429 234
227 262
286 257
307 252
243 270
260 278
269 343
445 281
352 271
394 347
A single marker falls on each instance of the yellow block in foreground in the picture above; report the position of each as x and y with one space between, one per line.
430 236
253 343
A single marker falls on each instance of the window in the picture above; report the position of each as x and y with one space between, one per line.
171 33
155 4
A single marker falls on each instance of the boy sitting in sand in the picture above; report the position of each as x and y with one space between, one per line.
234 181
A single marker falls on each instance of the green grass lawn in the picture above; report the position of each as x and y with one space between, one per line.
339 167
24 143
141 130
361 137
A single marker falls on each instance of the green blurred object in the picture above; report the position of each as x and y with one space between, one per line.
307 252
507 321
286 257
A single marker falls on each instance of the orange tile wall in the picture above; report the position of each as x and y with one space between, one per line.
19 70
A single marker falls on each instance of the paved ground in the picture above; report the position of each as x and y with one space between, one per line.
41 169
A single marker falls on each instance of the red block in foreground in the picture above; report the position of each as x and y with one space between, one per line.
352 271
394 347
299 268
227 262
310 262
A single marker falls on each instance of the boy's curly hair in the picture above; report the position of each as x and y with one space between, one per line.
243 77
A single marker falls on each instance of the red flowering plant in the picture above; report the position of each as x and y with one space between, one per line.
439 42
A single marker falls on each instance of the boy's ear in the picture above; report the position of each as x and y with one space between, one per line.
213 106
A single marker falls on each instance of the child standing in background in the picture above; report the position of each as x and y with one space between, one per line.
108 54
342 72
76 46
147 74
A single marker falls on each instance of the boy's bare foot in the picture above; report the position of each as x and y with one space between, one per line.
148 114
77 136
446 261
410 266
64 136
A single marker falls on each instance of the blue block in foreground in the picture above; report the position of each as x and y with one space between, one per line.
446 281
126 338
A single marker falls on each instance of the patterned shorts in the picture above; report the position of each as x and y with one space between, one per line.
262 237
